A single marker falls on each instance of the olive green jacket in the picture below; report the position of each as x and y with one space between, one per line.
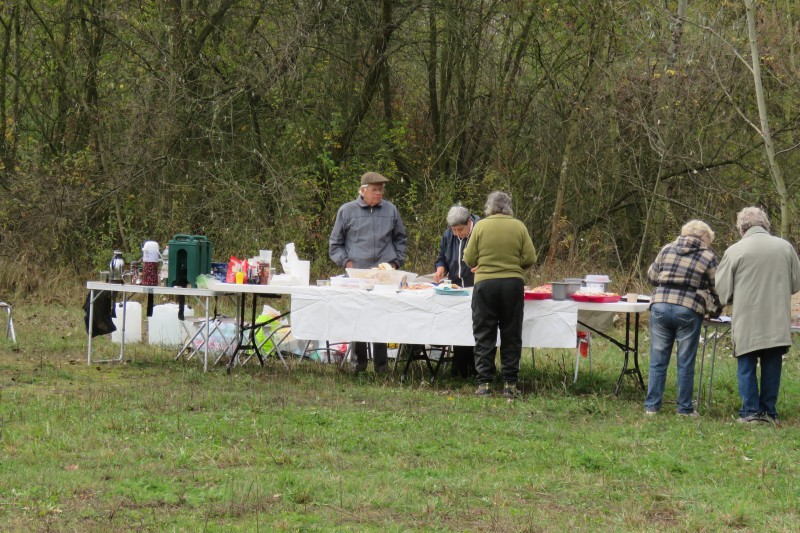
758 275
501 247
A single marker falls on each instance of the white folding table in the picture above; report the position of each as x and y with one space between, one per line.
98 287
427 318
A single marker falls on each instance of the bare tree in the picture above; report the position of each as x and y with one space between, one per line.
769 147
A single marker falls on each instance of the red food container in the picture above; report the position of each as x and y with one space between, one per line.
538 295
596 298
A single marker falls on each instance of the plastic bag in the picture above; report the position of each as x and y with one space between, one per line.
202 281
235 265
223 340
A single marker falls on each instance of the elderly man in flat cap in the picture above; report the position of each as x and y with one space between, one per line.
367 232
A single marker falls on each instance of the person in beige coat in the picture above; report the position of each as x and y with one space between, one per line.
758 276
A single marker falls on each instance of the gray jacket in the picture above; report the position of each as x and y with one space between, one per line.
758 275
368 236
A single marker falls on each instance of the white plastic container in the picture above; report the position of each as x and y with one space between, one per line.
352 283
164 328
596 283
301 272
133 322
383 277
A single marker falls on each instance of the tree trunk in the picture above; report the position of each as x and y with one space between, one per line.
657 217
677 32
433 61
372 81
597 42
558 208
791 34
769 147
6 140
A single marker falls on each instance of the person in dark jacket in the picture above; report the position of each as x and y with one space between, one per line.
450 264
682 272
368 232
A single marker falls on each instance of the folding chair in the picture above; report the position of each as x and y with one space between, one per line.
351 353
277 335
197 340
251 345
333 352
9 322
443 355
426 353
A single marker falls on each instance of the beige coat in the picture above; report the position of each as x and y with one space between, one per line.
758 275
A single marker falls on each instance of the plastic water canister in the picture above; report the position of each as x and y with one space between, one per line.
164 328
133 322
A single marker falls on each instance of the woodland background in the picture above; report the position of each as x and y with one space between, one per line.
611 123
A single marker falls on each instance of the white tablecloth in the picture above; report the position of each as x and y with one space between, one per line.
417 317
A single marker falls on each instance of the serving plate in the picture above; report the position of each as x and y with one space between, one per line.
596 298
417 287
451 292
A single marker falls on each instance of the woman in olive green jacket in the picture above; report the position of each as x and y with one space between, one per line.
499 252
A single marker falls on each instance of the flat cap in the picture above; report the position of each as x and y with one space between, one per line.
373 177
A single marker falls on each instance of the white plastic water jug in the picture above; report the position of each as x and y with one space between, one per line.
133 322
164 328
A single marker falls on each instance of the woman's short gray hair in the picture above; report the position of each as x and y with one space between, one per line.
457 216
699 229
750 217
498 203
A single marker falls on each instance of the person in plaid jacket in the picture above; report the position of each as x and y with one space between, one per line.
683 273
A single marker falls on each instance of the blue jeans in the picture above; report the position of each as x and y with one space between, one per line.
668 323
753 402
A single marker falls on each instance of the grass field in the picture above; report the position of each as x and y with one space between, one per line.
154 444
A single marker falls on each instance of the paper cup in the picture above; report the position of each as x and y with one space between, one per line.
632 297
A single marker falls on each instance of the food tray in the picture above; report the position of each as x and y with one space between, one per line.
451 292
382 277
538 295
596 298
418 287
351 283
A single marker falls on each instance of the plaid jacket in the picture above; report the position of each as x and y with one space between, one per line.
683 274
